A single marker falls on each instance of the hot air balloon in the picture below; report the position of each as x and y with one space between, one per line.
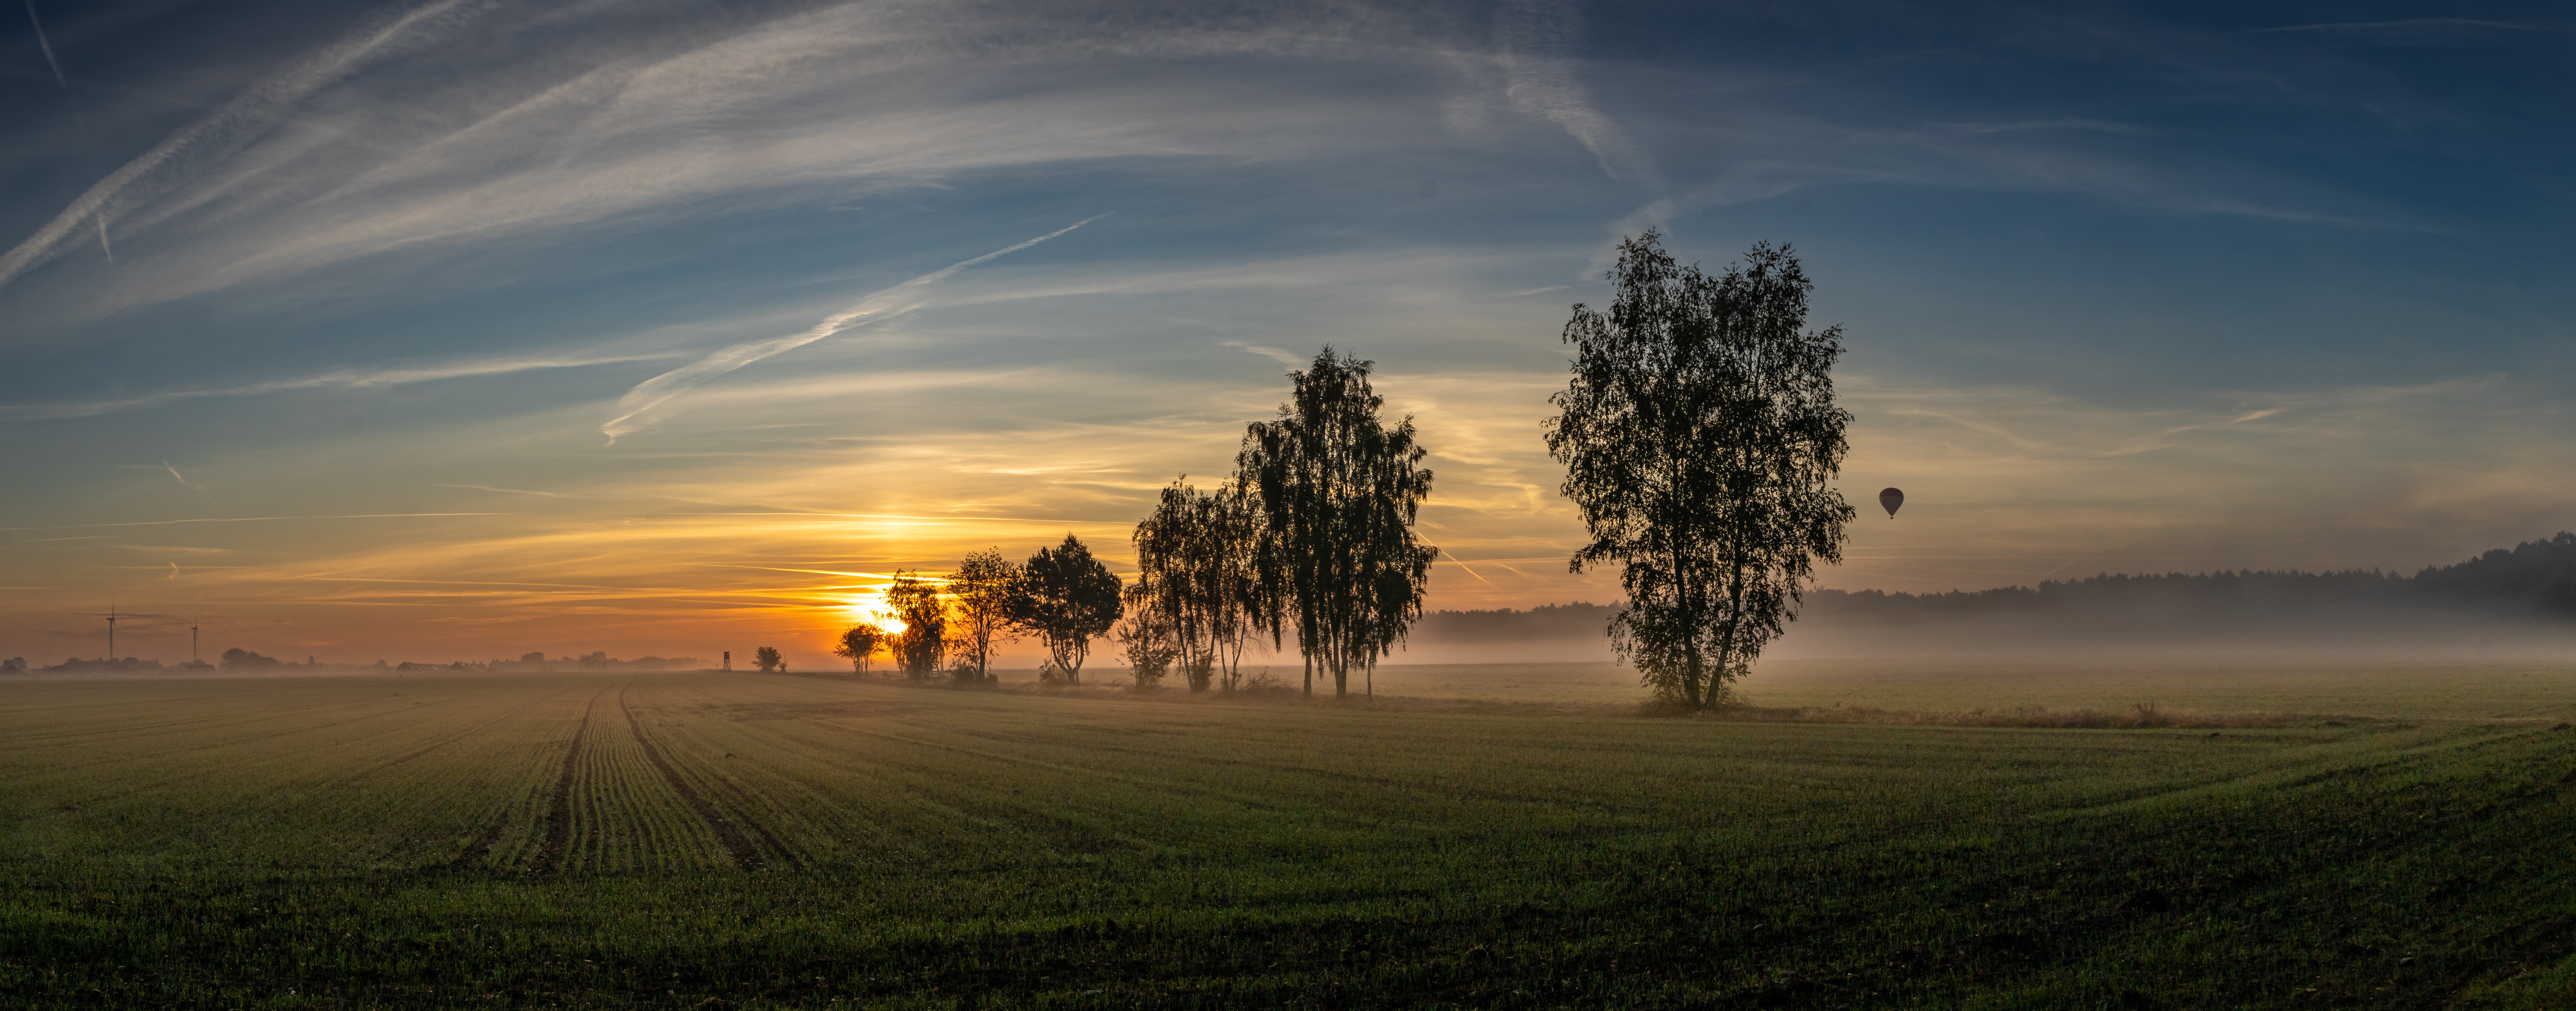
1891 498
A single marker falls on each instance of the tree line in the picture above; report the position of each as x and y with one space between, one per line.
1699 432
1311 540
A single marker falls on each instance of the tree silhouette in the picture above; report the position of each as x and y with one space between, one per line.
1146 637
1698 433
1197 555
1339 493
860 645
238 659
1066 598
982 586
924 640
767 659
1230 579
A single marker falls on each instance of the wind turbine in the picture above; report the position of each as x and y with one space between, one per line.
111 629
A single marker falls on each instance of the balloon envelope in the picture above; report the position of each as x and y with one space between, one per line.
1891 498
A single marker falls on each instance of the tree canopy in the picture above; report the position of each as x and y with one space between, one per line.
1066 598
1146 638
1698 432
1197 557
860 645
982 587
1339 493
923 643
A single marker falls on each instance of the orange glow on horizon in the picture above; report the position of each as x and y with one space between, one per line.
871 607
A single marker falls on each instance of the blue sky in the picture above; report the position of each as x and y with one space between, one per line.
2126 288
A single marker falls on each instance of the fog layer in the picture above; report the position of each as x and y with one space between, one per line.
2504 603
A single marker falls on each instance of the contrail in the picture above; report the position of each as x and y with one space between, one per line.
251 112
1480 577
102 239
350 379
883 305
513 491
242 519
47 45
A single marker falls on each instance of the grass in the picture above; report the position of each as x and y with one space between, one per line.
749 841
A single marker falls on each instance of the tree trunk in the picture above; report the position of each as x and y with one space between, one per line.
1692 667
1734 621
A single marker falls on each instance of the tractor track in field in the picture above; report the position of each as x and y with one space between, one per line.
550 854
737 846
381 767
482 845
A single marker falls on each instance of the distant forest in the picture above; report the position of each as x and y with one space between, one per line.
2530 586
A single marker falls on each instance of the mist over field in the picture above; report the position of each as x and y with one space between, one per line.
2509 603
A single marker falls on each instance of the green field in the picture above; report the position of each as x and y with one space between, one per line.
740 840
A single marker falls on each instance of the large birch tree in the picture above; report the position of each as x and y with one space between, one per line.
1339 492
1699 432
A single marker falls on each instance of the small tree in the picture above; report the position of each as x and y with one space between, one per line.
1066 598
860 645
923 643
768 659
1698 434
1232 580
244 660
1170 546
982 586
1146 637
1339 494
1199 551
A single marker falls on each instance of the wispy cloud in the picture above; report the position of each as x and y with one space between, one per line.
341 379
809 109
227 128
2049 125
1780 154
2412 27
650 394
1283 357
1534 39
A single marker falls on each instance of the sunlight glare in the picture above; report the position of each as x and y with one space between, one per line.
871 607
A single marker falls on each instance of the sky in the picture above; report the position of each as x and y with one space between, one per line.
455 330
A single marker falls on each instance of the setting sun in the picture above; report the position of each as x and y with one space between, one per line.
871 608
